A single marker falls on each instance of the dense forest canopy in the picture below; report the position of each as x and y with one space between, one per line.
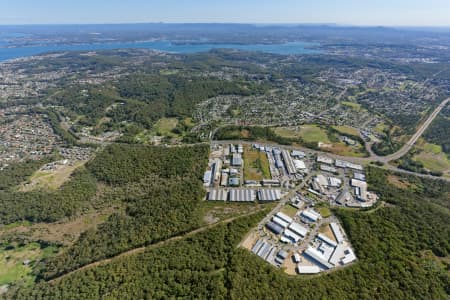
161 188
400 247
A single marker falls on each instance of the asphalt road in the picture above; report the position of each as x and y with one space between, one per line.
405 149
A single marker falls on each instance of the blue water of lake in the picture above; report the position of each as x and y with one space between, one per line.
7 53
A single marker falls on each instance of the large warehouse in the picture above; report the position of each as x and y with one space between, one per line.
242 195
218 195
269 195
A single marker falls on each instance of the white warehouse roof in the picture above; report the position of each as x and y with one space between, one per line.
299 164
359 183
334 182
207 177
308 269
322 180
299 229
280 222
297 153
318 257
337 232
349 256
292 235
310 214
325 160
269 195
218 195
242 195
284 217
327 240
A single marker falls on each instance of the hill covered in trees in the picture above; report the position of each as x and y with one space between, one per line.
402 248
161 188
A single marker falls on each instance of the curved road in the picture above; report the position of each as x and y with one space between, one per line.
405 149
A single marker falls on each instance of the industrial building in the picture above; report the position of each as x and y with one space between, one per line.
207 178
290 232
284 217
311 215
281 256
215 170
328 168
264 249
233 181
324 160
232 149
280 222
345 164
298 229
359 176
240 149
269 195
290 236
360 189
236 160
217 195
336 229
343 197
326 240
299 165
319 183
342 255
275 228
322 180
242 195
317 257
224 180
298 154
349 256
308 269
289 163
270 182
334 182
354 166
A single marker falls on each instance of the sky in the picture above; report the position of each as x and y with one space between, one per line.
344 12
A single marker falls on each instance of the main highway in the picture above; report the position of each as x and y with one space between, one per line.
405 149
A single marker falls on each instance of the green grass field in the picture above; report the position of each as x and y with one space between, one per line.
436 149
434 162
165 126
309 133
287 132
314 134
12 267
289 210
347 130
432 158
324 211
256 165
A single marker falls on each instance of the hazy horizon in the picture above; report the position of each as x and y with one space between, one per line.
401 13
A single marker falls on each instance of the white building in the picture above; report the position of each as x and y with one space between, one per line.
284 217
308 269
299 229
324 160
299 165
311 215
